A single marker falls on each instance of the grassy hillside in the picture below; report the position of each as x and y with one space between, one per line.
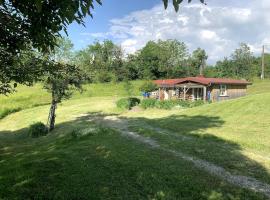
259 86
95 162
83 160
28 97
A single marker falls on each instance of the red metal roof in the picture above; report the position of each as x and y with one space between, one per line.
202 80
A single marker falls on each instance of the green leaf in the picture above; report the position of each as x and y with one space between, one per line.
176 5
99 2
39 5
165 3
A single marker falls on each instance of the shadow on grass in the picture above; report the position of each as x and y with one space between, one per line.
83 160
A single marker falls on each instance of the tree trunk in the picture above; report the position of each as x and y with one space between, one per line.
51 118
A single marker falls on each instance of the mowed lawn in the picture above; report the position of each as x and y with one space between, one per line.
83 160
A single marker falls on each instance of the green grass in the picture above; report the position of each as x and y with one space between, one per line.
259 86
100 164
81 160
28 97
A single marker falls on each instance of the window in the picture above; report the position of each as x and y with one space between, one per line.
223 90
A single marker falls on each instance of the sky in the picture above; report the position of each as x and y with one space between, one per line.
218 27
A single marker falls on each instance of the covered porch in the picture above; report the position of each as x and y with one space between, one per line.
184 91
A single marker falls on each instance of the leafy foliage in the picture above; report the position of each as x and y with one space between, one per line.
197 62
39 22
168 104
102 62
176 3
148 103
38 129
62 79
148 86
241 64
162 59
24 68
27 25
127 103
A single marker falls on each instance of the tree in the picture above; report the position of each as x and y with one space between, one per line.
173 56
241 64
63 51
61 80
37 23
61 77
131 67
242 58
27 25
225 68
148 86
24 67
102 62
40 22
162 59
197 62
176 3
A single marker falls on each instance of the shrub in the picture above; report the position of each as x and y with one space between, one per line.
127 103
148 103
148 86
183 104
197 103
38 129
167 105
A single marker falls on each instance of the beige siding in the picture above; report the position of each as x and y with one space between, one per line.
233 91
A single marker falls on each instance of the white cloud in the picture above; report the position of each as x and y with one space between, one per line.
217 28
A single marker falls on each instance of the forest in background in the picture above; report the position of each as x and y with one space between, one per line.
107 62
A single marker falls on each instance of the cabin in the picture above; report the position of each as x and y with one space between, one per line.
200 88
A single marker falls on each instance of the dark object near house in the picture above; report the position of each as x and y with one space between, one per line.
200 88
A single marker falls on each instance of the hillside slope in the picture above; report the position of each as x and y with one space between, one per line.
82 159
29 97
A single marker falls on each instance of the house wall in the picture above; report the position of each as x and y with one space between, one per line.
233 91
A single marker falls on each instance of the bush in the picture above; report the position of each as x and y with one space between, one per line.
197 103
148 86
38 129
127 103
183 104
167 105
148 103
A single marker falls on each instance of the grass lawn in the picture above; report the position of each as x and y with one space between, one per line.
82 160
28 97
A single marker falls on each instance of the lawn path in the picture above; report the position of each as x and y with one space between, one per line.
241 181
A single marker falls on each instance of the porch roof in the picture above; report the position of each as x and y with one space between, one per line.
201 81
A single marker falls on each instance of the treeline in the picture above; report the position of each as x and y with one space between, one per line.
106 61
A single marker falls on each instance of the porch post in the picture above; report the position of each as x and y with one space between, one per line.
184 92
204 93
159 93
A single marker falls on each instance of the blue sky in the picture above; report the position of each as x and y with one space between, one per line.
218 27
110 9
